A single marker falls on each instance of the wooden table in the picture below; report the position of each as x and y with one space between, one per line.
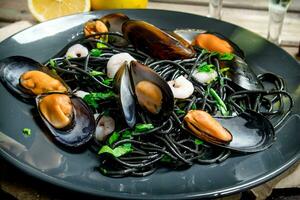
251 14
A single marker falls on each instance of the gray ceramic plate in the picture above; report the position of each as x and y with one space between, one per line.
38 156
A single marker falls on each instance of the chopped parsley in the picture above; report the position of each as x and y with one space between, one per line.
166 159
26 131
179 111
92 98
198 142
204 67
226 56
108 81
113 138
101 45
52 63
224 69
96 73
194 107
127 134
103 170
143 127
116 152
96 52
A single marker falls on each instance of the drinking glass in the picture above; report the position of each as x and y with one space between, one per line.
214 9
277 11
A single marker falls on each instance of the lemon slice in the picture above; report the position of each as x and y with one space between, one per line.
114 4
44 10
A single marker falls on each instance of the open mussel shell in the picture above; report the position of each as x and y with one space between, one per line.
191 34
139 85
11 70
242 76
188 35
114 21
154 84
155 42
251 132
122 86
80 130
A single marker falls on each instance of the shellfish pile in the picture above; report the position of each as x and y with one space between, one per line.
144 97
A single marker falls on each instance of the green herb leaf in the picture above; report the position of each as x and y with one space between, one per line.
96 73
103 170
92 98
226 56
69 57
143 127
27 131
108 81
116 152
166 159
101 45
214 53
53 71
179 111
224 69
198 142
204 67
127 134
113 138
220 103
204 51
52 63
194 107
96 52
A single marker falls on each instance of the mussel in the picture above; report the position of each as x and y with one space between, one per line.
155 42
211 41
204 126
93 27
139 85
247 132
242 76
68 118
114 21
27 78
216 42
111 28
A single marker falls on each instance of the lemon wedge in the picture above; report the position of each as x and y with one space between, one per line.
114 4
44 10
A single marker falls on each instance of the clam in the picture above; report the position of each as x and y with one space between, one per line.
155 42
68 118
139 85
247 132
27 78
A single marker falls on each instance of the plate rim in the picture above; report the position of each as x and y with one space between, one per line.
31 171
